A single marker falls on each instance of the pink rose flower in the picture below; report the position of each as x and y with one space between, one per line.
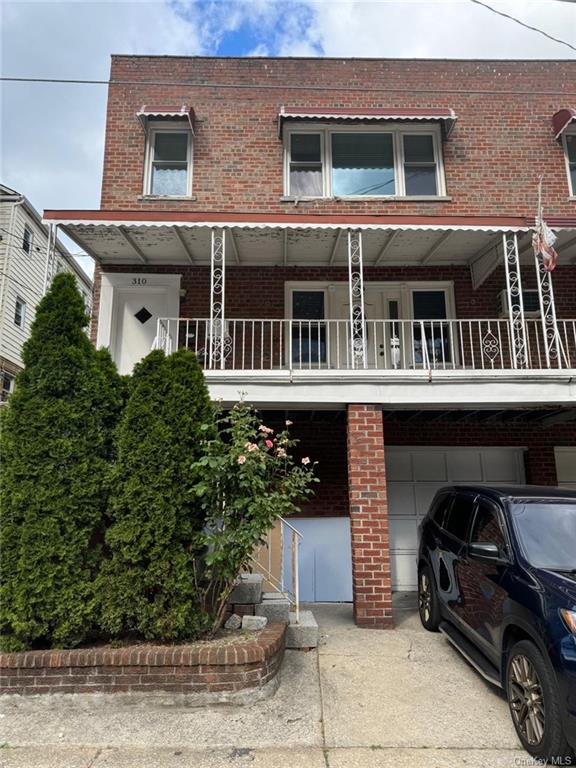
241 459
269 444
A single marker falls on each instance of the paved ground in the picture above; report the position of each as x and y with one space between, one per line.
367 699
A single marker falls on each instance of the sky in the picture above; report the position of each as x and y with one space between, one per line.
52 136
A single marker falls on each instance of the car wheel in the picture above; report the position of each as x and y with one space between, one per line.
428 606
534 703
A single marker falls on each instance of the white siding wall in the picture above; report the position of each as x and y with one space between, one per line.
22 276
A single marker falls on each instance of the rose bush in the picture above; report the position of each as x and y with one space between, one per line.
250 479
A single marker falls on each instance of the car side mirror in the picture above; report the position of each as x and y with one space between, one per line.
485 551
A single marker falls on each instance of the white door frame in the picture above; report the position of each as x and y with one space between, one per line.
115 285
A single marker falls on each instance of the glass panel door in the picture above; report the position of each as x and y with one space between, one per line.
432 343
308 345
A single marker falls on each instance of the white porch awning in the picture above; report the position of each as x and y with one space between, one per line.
161 237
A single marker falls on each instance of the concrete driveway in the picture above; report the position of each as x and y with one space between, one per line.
367 699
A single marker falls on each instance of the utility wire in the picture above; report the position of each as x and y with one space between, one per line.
15 236
23 285
286 87
523 24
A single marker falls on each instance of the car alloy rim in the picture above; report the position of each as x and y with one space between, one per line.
526 700
424 597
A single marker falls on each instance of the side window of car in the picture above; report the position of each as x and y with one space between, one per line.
441 507
458 519
487 527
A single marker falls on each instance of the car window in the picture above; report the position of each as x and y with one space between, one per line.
487 528
440 507
459 517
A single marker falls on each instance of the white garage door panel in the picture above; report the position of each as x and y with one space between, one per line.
434 468
402 532
413 477
464 466
404 578
401 498
399 466
566 467
501 466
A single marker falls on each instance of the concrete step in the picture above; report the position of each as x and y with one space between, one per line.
248 589
275 606
304 634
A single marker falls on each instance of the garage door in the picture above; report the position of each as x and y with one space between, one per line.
566 467
413 477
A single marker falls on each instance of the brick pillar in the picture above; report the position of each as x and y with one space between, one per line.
371 580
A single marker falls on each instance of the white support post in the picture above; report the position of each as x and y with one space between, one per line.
356 295
216 345
515 301
50 256
555 355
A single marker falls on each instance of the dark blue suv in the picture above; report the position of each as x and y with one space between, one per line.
497 575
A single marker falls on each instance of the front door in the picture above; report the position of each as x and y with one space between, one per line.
383 339
136 325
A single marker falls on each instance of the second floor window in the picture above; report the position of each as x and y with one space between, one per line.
20 312
364 163
169 171
570 146
27 239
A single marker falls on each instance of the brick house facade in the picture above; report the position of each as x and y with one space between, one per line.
380 322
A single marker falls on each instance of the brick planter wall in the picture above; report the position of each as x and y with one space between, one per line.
196 668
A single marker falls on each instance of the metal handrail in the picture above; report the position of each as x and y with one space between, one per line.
445 344
277 582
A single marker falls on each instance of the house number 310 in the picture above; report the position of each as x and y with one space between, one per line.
139 281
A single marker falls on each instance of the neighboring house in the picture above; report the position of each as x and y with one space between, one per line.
348 243
26 268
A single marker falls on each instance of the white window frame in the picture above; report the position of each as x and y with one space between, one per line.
405 289
397 132
568 132
20 302
9 380
30 242
155 128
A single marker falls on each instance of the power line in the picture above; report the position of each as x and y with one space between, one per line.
287 87
523 24
22 285
31 257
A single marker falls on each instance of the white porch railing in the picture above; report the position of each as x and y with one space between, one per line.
270 559
390 344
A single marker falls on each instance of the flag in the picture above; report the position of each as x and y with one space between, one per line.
543 238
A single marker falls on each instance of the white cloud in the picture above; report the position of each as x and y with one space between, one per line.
440 29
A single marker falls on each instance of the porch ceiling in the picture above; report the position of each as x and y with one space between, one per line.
404 241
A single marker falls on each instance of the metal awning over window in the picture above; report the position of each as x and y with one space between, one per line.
164 112
562 119
446 117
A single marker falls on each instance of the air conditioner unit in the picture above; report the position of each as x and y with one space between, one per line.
530 300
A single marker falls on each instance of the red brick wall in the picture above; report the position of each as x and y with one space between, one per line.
197 668
323 439
371 580
504 124
259 292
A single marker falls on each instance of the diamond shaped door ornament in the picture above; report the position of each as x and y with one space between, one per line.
143 315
